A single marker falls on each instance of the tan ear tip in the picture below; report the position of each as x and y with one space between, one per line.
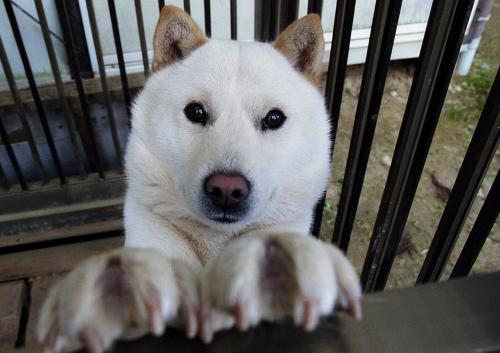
312 19
170 10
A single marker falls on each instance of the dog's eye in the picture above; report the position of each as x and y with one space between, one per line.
273 120
196 113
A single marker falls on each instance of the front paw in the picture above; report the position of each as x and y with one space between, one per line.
121 294
272 276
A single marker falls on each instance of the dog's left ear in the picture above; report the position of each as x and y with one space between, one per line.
176 36
303 45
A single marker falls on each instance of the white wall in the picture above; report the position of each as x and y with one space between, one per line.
413 11
33 41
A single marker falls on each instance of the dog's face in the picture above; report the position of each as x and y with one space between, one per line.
239 129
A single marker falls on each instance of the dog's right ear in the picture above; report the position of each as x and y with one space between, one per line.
176 36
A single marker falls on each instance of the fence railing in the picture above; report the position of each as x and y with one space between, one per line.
85 162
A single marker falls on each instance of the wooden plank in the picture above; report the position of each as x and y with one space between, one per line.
39 290
77 220
460 315
91 86
54 259
12 296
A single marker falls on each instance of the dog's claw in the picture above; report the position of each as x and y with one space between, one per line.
354 307
240 316
311 315
189 318
50 341
206 332
155 316
92 341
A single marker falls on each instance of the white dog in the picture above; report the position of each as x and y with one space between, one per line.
229 153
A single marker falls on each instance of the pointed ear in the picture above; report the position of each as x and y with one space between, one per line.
303 45
176 36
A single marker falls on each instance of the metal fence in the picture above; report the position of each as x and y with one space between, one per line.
94 178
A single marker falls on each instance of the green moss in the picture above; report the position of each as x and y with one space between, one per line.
468 94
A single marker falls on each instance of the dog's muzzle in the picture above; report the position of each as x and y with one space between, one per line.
225 196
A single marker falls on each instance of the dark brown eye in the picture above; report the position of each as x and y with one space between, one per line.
196 113
273 120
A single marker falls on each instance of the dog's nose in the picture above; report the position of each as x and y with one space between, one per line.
226 190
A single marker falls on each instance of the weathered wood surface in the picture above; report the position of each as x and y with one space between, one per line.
12 296
39 289
55 259
456 316
48 212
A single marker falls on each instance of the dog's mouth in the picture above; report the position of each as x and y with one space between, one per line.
221 215
225 215
225 219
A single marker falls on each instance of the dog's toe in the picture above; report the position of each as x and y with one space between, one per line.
269 277
121 294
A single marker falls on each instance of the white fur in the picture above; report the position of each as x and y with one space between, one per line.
168 157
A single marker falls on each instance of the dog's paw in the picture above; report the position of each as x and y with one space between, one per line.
269 277
121 294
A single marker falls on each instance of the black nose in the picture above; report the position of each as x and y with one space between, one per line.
226 190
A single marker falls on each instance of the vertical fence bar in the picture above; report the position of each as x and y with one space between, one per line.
315 6
440 48
383 31
77 28
480 231
262 19
142 36
234 20
4 183
59 86
477 159
9 75
272 17
208 18
187 6
161 4
119 54
337 66
12 157
94 147
104 81
34 90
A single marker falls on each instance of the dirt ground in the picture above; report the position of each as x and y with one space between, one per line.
463 105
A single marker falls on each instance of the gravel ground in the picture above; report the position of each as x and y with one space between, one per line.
463 105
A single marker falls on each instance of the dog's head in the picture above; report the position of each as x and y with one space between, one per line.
237 131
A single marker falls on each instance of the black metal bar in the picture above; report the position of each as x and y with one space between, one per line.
34 90
142 36
75 24
119 54
161 4
187 6
59 86
440 48
477 159
480 231
315 6
104 82
272 17
261 24
4 183
9 75
208 18
234 20
94 147
12 157
383 31
337 66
